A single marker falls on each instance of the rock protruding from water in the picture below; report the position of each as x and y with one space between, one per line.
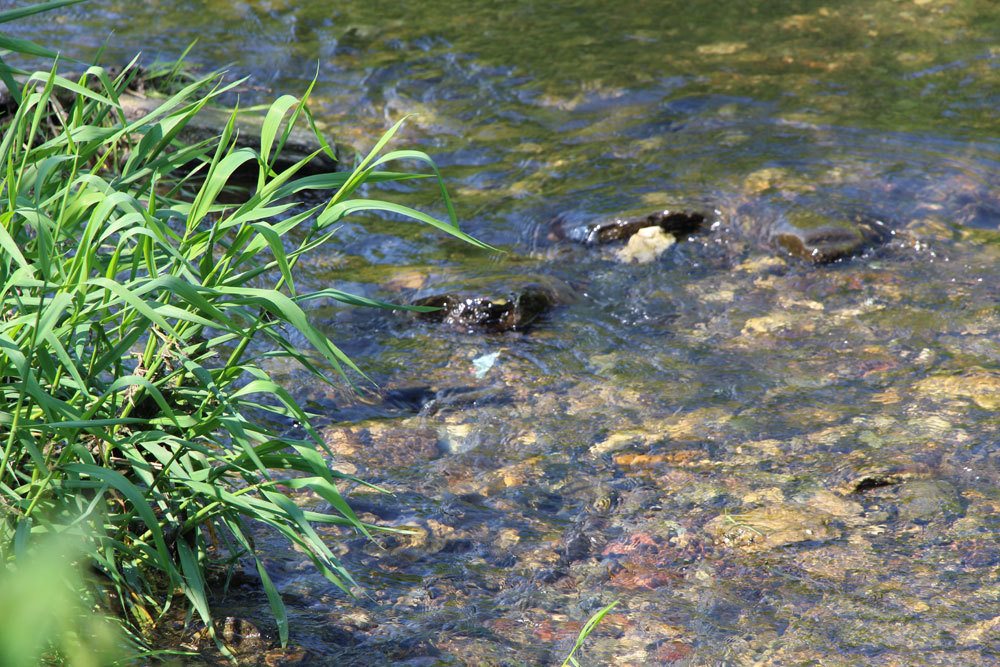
821 238
515 312
676 223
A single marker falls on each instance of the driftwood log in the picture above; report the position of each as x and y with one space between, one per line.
209 122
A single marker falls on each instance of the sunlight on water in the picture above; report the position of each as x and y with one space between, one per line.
767 461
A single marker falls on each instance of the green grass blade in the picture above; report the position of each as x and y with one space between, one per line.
588 628
9 15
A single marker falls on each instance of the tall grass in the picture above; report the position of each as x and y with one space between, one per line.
138 314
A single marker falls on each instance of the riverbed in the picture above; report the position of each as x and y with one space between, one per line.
763 458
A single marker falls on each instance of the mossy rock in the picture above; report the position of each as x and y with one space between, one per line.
824 238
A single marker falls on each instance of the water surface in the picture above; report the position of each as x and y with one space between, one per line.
765 461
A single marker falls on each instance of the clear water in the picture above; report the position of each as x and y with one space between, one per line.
666 436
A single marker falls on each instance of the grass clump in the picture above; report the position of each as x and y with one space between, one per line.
138 315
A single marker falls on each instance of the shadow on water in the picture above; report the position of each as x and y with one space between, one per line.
768 461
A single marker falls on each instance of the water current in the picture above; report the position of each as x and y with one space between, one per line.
764 459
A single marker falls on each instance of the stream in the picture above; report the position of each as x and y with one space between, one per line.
765 459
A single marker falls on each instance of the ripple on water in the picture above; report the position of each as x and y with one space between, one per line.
764 460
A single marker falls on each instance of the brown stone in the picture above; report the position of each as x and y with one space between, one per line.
771 527
980 385
383 445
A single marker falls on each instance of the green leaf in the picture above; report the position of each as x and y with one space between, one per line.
22 12
138 504
194 583
336 213
588 628
271 125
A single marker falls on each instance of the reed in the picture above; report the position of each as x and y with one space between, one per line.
141 302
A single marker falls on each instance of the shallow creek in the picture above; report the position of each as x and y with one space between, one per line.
766 460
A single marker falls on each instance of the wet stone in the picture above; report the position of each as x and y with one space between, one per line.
239 635
820 238
859 479
675 223
844 509
457 438
358 620
514 312
379 445
501 479
836 562
283 657
242 634
923 500
767 528
980 632
981 386
646 245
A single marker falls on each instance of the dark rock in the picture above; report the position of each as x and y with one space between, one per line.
821 238
875 481
502 560
586 536
458 546
802 230
513 313
409 399
366 504
678 223
553 575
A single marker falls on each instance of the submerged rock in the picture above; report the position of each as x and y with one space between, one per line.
676 223
837 562
923 500
771 527
854 479
383 445
821 238
980 385
825 501
515 312
586 536
980 632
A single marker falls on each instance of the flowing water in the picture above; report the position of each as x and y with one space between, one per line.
765 461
